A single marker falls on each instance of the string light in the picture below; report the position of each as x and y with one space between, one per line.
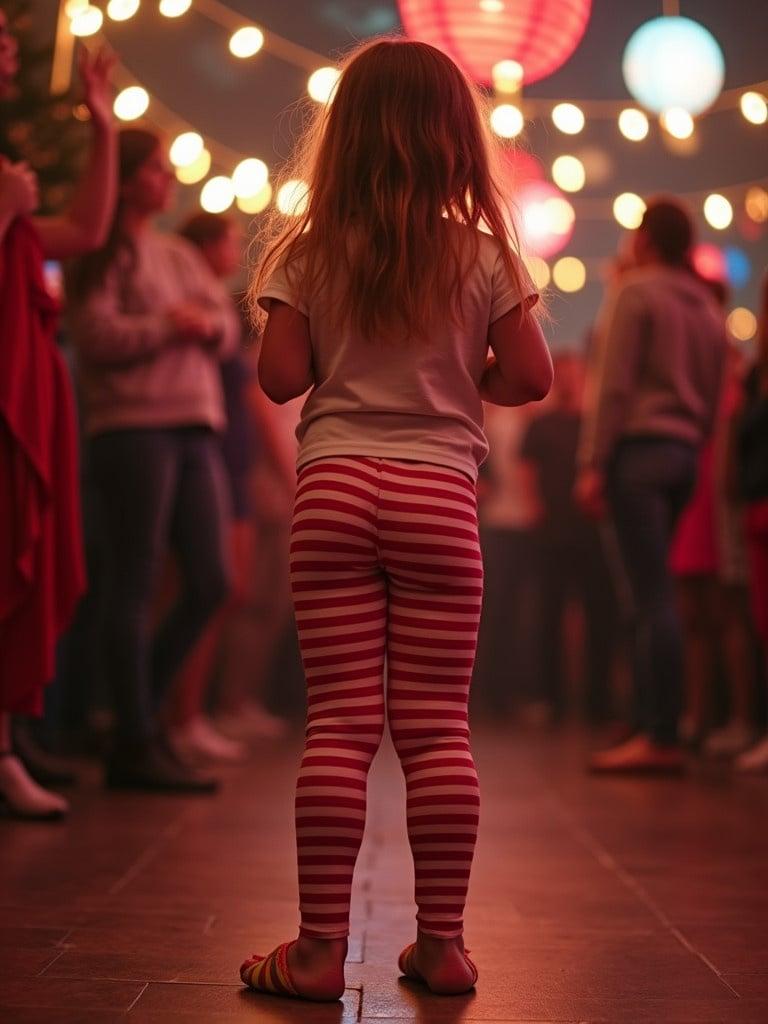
246 42
194 172
742 323
491 6
507 120
322 83
633 124
754 107
131 103
249 177
628 209
122 10
539 271
257 203
185 149
217 194
293 197
568 118
507 75
677 122
718 211
569 174
756 204
86 21
174 8
569 274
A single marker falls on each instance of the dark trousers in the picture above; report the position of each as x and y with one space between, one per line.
157 489
649 482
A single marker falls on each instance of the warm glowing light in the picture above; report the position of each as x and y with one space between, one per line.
217 194
756 204
194 172
507 120
491 6
742 323
73 7
86 21
568 172
131 103
122 10
293 197
569 274
249 177
568 118
322 83
246 42
507 75
677 122
633 124
709 261
256 203
628 209
718 211
546 218
539 271
174 8
185 149
754 107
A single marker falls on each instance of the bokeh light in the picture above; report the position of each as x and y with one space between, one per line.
507 120
709 262
677 122
742 323
628 209
196 171
249 177
569 274
185 149
322 83
122 10
754 107
568 173
718 211
539 271
217 194
293 197
738 265
546 218
507 75
174 8
246 42
568 118
131 103
756 204
633 124
86 21
256 203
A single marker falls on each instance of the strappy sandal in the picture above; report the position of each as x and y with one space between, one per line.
407 965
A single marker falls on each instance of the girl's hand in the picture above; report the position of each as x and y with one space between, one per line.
18 189
95 74
193 324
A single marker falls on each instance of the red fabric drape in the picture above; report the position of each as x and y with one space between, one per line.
42 569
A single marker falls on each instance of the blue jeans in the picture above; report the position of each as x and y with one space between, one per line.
156 489
649 483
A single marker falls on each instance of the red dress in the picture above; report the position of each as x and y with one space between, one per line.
42 569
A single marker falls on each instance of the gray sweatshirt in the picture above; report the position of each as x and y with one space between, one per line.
657 366
132 370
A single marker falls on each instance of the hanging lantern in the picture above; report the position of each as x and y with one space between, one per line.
539 34
546 218
674 63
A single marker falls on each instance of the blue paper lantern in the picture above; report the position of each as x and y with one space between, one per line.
674 62
738 266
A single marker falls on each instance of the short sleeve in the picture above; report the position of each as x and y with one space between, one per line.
282 286
506 293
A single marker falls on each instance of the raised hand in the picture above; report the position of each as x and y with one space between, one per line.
95 71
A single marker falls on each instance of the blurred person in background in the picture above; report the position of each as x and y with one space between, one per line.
150 324
42 573
658 367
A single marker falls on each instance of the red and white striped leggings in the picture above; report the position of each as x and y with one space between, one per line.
386 566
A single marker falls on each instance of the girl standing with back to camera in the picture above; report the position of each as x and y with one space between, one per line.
383 297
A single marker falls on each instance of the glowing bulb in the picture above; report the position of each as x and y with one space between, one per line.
569 174
190 174
256 203
293 197
628 209
86 21
569 274
718 211
174 8
122 10
185 149
559 214
568 118
246 42
491 6
539 271
131 103
742 323
217 194
322 83
633 124
249 177
756 204
73 7
507 75
507 120
677 122
754 107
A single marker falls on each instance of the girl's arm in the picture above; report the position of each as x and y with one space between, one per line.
85 225
285 360
521 368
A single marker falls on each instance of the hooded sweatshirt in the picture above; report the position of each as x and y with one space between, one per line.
657 365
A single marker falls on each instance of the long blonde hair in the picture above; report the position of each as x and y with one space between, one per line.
401 150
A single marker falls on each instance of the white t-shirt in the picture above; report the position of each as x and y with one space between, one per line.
417 401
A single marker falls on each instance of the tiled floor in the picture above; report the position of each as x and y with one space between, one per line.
592 900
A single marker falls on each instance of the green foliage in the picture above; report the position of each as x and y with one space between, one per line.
35 126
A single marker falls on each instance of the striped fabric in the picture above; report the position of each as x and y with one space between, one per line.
386 567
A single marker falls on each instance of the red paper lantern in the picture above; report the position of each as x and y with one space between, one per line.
539 34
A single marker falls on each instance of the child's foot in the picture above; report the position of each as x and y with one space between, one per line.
441 964
305 969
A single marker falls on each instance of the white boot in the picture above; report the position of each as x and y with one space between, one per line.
21 796
754 760
197 740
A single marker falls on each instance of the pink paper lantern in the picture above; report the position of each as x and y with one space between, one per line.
539 34
544 217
